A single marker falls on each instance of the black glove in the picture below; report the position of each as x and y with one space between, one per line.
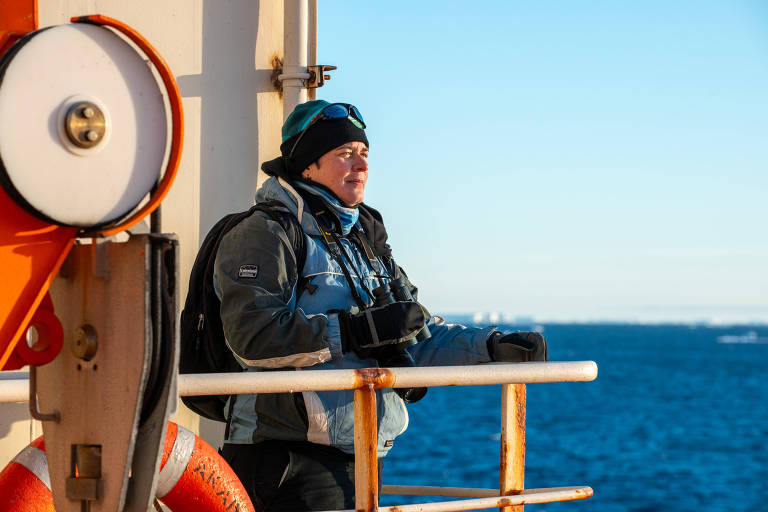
517 347
384 325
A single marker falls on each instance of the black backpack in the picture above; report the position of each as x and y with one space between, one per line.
203 347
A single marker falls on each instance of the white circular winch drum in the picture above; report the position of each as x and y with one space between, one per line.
83 125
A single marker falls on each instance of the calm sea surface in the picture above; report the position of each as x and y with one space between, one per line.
676 420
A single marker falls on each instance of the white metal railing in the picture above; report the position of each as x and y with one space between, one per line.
429 376
511 495
14 386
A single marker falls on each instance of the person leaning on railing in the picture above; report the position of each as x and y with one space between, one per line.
331 310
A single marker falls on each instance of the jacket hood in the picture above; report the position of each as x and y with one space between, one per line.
279 189
276 167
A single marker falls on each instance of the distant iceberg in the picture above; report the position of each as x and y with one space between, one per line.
750 337
522 322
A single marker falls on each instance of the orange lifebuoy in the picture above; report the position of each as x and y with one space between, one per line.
193 477
24 483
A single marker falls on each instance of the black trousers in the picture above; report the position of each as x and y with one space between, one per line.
294 476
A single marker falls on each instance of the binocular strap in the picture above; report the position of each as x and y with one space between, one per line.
372 326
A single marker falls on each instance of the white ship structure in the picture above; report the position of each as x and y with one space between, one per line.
112 112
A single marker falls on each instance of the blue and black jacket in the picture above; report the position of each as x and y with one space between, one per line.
270 325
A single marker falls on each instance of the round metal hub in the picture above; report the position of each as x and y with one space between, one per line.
85 124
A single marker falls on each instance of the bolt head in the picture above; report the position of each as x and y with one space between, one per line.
85 124
85 342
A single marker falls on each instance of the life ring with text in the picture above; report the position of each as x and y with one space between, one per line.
193 477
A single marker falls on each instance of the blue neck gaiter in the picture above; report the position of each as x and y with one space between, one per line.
347 214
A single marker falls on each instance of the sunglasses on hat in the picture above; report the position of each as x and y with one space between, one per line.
332 111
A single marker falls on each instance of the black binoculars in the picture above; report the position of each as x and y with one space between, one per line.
397 355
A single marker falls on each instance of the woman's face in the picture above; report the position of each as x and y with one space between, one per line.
344 170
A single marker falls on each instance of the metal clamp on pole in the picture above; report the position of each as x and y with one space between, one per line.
317 76
293 76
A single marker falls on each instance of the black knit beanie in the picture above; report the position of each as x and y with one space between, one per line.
321 137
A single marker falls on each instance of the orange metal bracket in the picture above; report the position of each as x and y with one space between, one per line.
17 18
50 339
31 253
31 250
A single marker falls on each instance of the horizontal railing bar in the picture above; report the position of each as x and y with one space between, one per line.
17 389
457 492
431 376
14 390
526 497
450 492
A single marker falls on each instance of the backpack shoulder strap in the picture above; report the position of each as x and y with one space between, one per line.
210 246
206 257
285 217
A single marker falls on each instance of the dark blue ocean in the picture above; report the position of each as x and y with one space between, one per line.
677 420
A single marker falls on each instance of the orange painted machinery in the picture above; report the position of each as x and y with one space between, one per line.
91 131
79 151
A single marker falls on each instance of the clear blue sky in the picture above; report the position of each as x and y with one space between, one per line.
566 160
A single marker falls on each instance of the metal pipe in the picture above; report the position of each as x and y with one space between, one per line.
453 492
295 29
312 43
14 387
325 380
366 467
512 466
462 492
289 76
527 497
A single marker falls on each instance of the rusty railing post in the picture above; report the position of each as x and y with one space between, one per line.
512 442
366 462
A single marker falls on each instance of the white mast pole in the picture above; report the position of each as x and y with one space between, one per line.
296 29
